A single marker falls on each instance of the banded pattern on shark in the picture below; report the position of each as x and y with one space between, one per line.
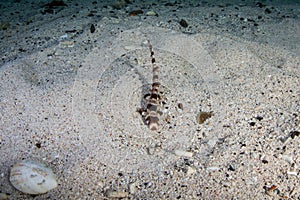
151 112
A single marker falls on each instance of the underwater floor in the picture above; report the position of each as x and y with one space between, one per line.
74 73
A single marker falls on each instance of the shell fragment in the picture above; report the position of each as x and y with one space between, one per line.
32 178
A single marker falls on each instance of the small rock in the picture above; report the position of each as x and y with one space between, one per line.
135 12
132 188
214 168
4 25
116 194
294 134
203 116
151 13
288 158
56 3
92 28
190 170
119 4
268 11
183 23
66 44
294 173
183 153
180 106
271 190
3 196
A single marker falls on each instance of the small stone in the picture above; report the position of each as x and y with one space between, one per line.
294 134
132 188
292 173
190 170
116 194
119 4
4 25
214 168
252 123
66 44
63 37
288 158
92 28
3 196
183 153
155 149
270 190
135 12
151 13
268 11
180 106
183 23
203 116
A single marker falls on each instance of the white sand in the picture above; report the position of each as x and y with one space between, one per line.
70 100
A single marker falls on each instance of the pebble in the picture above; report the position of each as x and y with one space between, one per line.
3 196
271 190
153 150
151 13
64 36
288 158
119 4
180 106
213 168
92 28
292 173
135 12
203 116
183 23
190 170
132 188
183 153
66 44
130 47
116 194
4 25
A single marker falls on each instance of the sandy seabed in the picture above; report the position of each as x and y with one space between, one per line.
69 96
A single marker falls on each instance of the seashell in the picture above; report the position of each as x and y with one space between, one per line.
32 178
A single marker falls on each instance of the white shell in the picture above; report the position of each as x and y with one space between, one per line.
32 178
